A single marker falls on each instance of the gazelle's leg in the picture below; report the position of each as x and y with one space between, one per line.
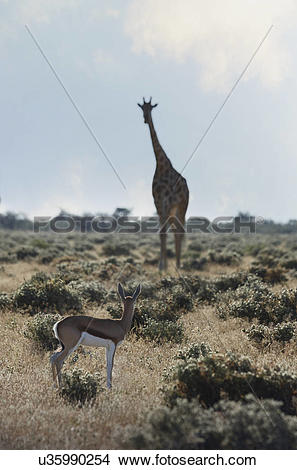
63 355
54 368
110 351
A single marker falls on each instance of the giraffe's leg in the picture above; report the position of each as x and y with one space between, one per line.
110 351
163 254
163 240
178 243
179 235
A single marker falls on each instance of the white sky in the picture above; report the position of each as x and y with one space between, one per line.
187 54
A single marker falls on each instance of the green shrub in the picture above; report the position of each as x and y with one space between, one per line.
43 293
230 281
5 301
254 300
194 351
48 255
79 387
148 289
115 311
225 257
160 331
229 425
25 252
109 268
273 275
283 332
116 249
180 299
75 269
193 262
39 243
92 291
217 376
262 334
7 257
290 263
40 330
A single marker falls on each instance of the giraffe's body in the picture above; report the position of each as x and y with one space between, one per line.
170 192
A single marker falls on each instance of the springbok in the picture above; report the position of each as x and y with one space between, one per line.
96 332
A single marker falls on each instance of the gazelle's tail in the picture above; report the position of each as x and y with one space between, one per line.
55 330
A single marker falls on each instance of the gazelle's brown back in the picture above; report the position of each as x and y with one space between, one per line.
101 328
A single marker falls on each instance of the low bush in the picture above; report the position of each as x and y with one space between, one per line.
194 262
79 387
217 376
116 249
5 301
75 269
160 331
284 332
290 263
46 293
194 351
40 330
92 291
261 334
229 425
264 335
149 290
254 300
39 243
7 257
25 252
48 255
224 257
273 275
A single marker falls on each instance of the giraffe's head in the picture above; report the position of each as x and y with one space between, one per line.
147 109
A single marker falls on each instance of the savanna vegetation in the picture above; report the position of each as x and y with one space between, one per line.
210 361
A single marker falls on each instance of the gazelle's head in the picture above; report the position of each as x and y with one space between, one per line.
147 109
128 300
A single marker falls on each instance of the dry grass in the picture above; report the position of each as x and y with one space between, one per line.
34 416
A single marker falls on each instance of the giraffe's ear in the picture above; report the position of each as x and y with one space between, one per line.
136 293
121 291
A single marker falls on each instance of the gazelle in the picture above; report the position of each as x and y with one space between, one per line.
90 331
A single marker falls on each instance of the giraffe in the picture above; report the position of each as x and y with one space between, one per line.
170 192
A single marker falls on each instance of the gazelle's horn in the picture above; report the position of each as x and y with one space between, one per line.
150 100
143 100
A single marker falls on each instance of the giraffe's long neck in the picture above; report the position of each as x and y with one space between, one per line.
162 160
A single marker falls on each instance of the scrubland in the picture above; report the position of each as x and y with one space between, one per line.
210 361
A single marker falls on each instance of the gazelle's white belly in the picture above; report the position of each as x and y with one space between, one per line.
95 341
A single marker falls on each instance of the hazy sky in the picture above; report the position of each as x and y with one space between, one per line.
187 55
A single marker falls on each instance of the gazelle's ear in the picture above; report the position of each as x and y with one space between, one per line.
121 291
139 105
136 293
